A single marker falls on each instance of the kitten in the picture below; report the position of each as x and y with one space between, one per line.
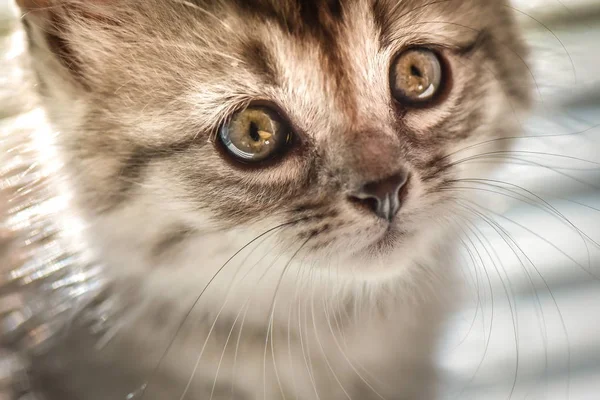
282 168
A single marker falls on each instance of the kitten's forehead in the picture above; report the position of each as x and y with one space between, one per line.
331 57
325 63
320 54
322 21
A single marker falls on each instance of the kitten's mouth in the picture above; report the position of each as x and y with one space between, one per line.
387 241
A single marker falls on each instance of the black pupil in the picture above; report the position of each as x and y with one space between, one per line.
415 71
254 131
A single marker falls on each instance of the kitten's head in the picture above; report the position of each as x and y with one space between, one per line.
339 120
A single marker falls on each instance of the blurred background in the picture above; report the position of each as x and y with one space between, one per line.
530 328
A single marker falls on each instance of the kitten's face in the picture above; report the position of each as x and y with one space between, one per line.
343 116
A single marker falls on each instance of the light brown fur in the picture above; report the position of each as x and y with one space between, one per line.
138 90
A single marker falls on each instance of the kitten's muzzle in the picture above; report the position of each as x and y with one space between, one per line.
383 197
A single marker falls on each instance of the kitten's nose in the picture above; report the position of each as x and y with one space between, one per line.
383 197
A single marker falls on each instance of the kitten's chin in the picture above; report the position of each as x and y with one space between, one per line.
396 251
387 242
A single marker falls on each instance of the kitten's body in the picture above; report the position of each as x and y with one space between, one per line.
302 295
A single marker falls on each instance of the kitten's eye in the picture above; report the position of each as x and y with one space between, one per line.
416 77
254 134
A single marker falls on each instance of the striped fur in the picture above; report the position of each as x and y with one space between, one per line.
335 303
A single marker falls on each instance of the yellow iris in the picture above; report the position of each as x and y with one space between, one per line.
254 134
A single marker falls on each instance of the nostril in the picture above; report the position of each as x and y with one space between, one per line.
403 192
368 203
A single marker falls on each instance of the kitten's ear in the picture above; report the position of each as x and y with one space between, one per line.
52 26
30 5
47 7
33 5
